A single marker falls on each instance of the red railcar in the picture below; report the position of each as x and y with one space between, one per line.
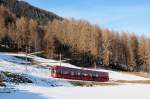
79 74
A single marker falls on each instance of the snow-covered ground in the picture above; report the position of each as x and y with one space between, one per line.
121 76
45 87
10 63
39 74
97 92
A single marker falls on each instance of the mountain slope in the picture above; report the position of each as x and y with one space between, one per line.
21 8
45 87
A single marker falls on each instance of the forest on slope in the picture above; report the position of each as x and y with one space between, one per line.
85 44
22 8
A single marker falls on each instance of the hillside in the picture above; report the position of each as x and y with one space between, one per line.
37 83
22 8
82 43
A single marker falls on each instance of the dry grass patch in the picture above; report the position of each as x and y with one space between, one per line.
92 83
135 81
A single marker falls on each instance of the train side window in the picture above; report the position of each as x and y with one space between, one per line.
78 73
91 74
94 75
65 72
97 75
57 71
85 74
61 72
72 72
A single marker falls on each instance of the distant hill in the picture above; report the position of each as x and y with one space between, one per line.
22 8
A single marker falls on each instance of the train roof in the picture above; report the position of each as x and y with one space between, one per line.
79 68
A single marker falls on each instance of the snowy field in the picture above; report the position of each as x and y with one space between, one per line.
45 87
103 92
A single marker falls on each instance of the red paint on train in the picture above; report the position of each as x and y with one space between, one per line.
79 74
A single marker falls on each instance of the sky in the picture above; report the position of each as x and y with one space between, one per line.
118 15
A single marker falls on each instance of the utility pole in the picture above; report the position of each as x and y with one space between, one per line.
149 67
95 64
26 67
60 58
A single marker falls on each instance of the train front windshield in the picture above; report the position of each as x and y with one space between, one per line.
53 71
